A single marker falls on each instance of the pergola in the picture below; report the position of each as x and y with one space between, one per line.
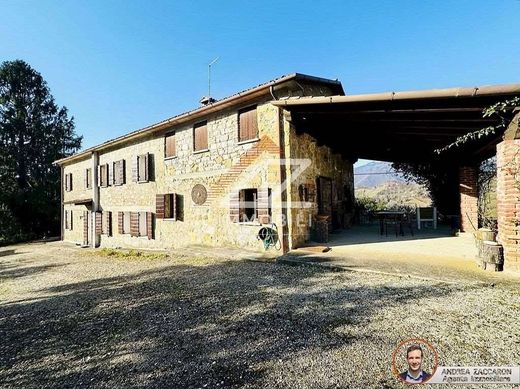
401 126
410 126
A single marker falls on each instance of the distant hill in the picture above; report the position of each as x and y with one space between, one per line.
378 181
374 174
395 194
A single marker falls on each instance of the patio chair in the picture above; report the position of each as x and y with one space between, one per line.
426 215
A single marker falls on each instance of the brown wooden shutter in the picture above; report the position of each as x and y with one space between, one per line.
149 225
234 206
135 169
68 182
99 224
173 205
143 168
169 145
116 176
71 219
66 219
148 163
120 221
110 168
134 223
107 216
263 205
122 171
200 136
85 227
248 125
170 206
159 206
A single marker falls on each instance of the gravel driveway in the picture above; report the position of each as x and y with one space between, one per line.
70 318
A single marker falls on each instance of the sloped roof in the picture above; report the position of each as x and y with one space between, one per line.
223 103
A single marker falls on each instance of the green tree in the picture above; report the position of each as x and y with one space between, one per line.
34 132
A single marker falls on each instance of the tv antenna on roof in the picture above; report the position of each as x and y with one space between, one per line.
209 76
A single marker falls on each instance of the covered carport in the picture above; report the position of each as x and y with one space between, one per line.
410 126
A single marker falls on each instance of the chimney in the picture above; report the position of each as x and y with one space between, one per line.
205 100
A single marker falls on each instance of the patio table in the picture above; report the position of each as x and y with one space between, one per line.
391 217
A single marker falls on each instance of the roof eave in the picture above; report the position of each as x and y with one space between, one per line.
243 96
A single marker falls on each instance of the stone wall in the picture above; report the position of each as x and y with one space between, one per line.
468 189
226 166
508 201
322 162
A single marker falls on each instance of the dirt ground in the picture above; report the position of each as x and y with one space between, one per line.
70 317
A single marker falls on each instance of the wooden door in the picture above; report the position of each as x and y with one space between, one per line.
325 196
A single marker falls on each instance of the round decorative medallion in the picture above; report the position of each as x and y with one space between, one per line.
199 194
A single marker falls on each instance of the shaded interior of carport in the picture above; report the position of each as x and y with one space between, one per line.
411 126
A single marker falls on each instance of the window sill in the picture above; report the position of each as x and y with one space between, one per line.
200 151
169 219
170 158
244 142
255 224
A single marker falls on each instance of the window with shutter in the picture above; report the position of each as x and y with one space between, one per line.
98 219
106 223
149 225
170 206
200 136
234 207
159 205
134 223
247 124
110 173
126 223
88 178
122 172
119 172
248 205
264 205
143 231
251 205
120 218
103 175
169 145
68 182
142 170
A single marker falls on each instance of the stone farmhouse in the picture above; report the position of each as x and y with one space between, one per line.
211 176
280 155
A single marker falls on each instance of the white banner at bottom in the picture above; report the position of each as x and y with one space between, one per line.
476 375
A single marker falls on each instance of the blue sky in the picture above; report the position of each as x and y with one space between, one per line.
122 65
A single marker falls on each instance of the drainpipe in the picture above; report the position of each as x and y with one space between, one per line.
283 178
95 199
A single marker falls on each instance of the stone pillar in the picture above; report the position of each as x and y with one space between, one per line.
508 201
468 190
